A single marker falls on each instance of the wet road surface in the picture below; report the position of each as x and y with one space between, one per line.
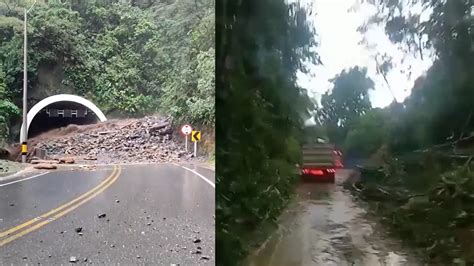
154 214
326 226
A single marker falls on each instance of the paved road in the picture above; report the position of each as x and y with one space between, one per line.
325 225
154 214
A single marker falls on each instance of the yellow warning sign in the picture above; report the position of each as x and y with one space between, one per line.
196 136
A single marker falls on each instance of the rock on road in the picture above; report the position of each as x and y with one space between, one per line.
158 214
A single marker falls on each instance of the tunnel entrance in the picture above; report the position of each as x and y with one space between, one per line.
60 114
57 111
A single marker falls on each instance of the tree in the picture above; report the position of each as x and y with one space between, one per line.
348 100
7 109
367 134
189 93
441 102
132 58
260 47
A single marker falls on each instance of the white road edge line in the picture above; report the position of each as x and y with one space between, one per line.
24 179
198 174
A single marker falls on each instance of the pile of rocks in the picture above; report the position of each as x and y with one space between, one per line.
142 140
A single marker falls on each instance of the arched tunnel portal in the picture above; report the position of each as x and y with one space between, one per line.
58 111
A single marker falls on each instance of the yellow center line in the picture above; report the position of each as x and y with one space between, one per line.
43 216
56 216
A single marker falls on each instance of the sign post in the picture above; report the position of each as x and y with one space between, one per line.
195 137
186 130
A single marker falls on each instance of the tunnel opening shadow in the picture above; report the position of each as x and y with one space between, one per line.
58 115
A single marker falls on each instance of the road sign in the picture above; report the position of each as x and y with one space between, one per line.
186 129
196 136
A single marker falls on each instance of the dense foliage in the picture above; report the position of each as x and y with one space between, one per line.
129 58
7 109
345 103
440 106
261 45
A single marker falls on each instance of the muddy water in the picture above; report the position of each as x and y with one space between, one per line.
326 226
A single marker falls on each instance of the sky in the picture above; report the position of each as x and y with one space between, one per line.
339 49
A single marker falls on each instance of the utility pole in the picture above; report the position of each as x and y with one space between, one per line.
24 149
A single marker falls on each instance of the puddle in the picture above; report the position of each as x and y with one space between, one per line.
325 226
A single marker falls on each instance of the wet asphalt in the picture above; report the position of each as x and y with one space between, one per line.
155 215
325 225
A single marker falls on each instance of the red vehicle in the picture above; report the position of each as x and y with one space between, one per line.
320 162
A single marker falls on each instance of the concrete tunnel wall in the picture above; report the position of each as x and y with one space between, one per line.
59 98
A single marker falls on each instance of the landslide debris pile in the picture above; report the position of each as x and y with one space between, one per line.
149 139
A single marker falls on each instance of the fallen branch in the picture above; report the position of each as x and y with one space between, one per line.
383 191
356 188
416 195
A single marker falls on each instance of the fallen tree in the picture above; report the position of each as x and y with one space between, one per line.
431 208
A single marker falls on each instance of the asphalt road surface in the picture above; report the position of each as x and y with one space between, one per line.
159 214
325 225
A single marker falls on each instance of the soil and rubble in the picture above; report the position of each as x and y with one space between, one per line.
149 139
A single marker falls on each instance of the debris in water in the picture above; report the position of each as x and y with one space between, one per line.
78 229
73 259
102 215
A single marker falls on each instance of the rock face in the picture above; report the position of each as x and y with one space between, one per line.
141 140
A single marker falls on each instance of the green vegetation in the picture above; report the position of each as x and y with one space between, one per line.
261 44
348 101
7 109
131 59
423 146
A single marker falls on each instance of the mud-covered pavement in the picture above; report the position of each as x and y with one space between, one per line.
326 226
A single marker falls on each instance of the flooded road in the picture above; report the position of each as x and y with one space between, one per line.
324 225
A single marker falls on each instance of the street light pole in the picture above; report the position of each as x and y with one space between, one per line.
25 87
24 149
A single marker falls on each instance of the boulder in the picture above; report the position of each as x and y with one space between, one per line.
67 160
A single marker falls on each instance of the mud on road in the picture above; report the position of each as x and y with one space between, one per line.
325 225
